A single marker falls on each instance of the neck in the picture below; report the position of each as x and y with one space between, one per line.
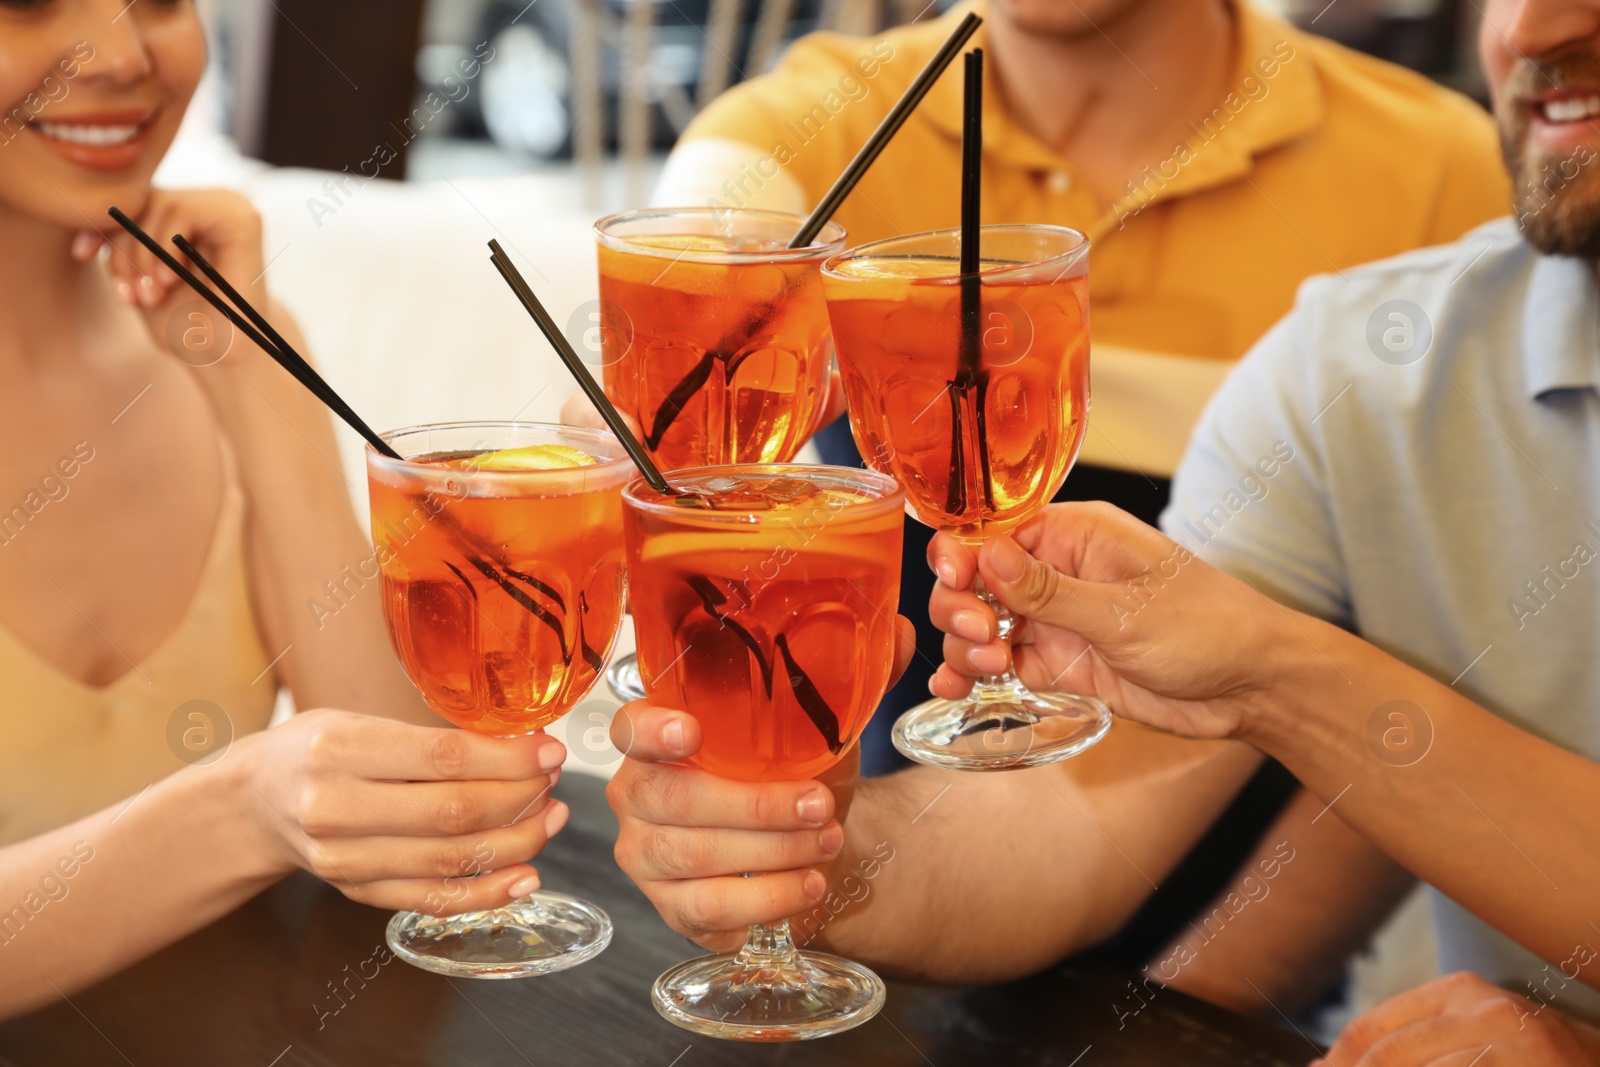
41 290
1115 98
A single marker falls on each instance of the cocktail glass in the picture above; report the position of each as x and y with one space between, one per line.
973 392
765 605
503 591
714 339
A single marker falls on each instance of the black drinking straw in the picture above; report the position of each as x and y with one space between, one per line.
971 199
970 380
276 347
591 388
886 130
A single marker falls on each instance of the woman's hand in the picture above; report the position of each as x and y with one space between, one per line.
223 225
226 229
400 816
1108 607
1462 1020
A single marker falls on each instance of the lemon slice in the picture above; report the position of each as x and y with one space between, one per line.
534 458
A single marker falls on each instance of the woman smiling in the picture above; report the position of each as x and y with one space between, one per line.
158 607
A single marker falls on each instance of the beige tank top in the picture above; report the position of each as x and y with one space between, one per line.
68 749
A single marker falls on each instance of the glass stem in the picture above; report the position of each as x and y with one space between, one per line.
997 688
768 955
770 948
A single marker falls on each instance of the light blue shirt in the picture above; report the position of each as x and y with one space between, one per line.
1441 499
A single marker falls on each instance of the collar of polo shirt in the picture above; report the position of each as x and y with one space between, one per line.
1561 329
1291 106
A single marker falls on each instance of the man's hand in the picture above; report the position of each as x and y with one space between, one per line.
1109 607
688 837
1462 1019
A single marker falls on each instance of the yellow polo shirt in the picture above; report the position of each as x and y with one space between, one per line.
1317 159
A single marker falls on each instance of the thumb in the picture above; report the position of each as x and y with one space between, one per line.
1035 590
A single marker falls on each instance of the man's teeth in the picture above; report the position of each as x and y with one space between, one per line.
75 133
1572 109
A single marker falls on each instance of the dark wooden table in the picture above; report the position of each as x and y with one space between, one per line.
257 990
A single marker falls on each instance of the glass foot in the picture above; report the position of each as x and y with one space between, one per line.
540 934
1025 729
623 678
811 995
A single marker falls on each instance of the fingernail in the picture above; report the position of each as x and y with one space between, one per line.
551 755
815 885
813 807
1007 561
84 245
987 659
522 887
672 735
125 292
971 625
946 571
831 840
555 818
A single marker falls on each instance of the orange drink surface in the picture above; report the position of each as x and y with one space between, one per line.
502 583
764 606
714 335
983 439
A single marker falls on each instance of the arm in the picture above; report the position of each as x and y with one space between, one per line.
1204 655
1061 857
395 816
314 578
1329 891
893 871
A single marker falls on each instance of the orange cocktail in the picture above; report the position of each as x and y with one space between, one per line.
980 446
715 334
502 588
768 615
764 601
971 388
500 547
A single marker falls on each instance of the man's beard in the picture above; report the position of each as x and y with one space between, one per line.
1556 197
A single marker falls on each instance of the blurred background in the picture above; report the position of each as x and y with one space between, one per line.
581 82
385 141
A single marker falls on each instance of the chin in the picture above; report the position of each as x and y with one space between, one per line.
1064 18
36 183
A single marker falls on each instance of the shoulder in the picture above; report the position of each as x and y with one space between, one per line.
812 68
1381 337
1450 287
1375 108
1386 91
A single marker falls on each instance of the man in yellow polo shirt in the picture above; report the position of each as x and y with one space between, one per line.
1215 156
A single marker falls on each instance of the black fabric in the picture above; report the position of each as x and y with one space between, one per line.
1207 870
1211 865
